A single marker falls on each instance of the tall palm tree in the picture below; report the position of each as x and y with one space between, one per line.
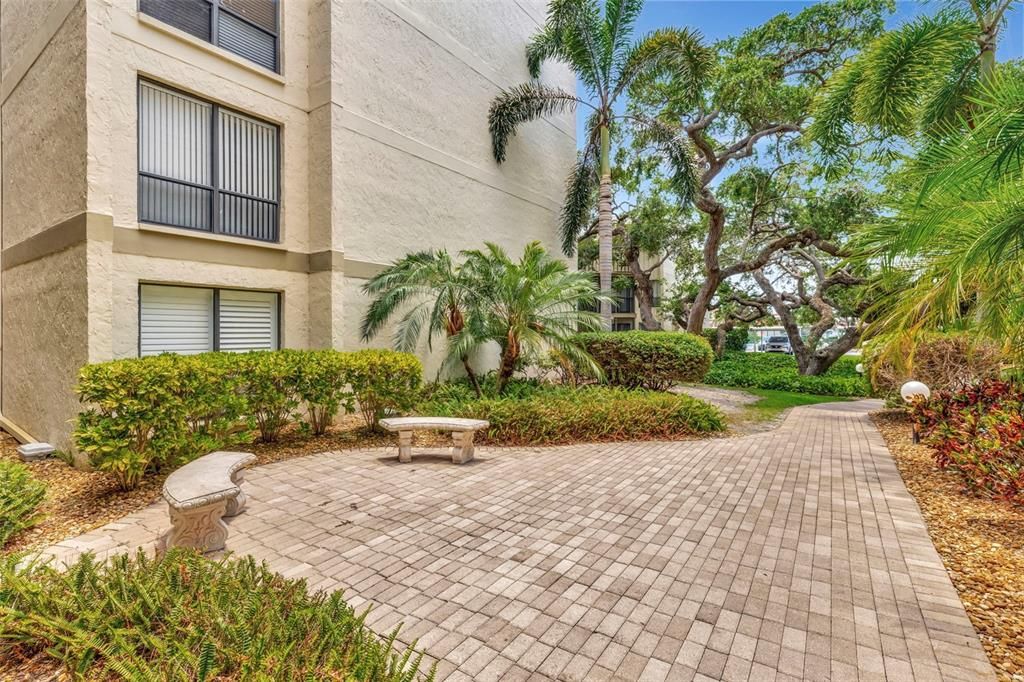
436 293
601 51
528 306
918 78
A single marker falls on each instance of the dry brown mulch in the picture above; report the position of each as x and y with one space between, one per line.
981 542
79 501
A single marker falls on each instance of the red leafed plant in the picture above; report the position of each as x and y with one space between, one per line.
978 432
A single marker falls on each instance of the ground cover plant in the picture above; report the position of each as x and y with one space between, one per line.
20 497
532 413
651 360
779 372
978 433
183 617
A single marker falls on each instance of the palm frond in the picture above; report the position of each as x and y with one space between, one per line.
677 54
617 33
520 104
579 199
678 153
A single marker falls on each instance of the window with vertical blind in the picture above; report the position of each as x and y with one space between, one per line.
205 167
189 320
249 28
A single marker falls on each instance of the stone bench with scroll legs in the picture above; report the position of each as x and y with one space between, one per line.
200 494
462 431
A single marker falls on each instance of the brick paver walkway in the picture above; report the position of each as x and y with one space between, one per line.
790 554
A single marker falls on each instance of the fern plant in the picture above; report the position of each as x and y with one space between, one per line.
20 496
183 617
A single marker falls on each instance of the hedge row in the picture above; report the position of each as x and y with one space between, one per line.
779 372
183 617
160 412
535 414
652 360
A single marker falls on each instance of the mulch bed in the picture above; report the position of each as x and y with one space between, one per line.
79 501
981 542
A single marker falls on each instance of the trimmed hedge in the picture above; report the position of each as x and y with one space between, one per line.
652 360
21 493
183 617
160 412
534 414
778 372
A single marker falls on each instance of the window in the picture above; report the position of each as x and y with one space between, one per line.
204 167
189 320
246 27
623 301
622 326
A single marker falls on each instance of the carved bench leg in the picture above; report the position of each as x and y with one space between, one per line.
462 451
236 505
201 528
405 446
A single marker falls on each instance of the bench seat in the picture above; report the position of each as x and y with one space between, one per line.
200 494
462 431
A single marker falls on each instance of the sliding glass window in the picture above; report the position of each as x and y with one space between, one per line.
204 167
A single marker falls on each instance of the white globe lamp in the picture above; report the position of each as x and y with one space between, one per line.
859 368
914 389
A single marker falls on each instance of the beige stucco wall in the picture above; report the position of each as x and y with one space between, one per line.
45 330
44 132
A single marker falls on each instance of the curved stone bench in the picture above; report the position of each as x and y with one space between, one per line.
462 431
200 494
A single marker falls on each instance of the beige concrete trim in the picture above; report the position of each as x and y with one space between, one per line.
373 130
198 247
361 269
55 18
155 241
63 235
20 434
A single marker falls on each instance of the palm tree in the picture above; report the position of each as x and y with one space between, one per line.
438 296
918 78
606 60
528 307
953 246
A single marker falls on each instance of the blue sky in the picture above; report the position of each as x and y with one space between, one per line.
717 19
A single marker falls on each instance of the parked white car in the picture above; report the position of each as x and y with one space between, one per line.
777 344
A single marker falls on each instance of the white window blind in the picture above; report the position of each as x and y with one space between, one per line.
189 320
175 320
248 321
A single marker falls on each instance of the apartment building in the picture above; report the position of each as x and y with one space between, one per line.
192 175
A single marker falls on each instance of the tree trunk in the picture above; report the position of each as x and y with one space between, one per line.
643 286
604 229
708 205
507 365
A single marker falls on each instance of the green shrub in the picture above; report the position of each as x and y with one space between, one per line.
270 389
183 617
20 496
152 413
554 414
652 360
384 382
779 372
735 339
322 386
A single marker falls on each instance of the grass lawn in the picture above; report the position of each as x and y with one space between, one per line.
773 403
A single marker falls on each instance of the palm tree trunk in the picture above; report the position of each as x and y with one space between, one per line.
472 376
604 229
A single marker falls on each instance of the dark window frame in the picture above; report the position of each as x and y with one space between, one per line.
215 312
216 7
214 189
